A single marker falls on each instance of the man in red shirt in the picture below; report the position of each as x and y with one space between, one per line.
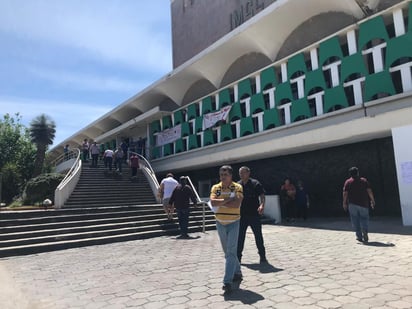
357 196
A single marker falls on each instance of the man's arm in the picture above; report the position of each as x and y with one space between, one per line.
345 200
262 204
371 197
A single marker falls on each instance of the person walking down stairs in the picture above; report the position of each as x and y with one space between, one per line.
108 158
134 165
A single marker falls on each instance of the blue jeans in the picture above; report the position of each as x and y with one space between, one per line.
228 235
256 225
359 217
183 216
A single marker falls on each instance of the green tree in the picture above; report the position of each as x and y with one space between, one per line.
42 133
17 156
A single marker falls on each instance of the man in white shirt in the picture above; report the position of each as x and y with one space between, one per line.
167 185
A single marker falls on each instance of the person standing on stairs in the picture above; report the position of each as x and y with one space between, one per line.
167 185
119 154
95 151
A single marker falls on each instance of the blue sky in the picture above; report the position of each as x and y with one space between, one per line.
75 60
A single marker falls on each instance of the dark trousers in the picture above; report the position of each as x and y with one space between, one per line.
134 171
108 161
95 157
183 216
256 225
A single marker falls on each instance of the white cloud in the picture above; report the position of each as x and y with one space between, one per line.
69 116
126 32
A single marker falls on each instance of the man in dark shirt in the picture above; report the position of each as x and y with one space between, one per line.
357 196
180 198
251 209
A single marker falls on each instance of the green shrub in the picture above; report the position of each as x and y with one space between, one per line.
41 187
11 182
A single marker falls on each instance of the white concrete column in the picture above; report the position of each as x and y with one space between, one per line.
403 160
406 75
286 110
318 102
271 93
357 89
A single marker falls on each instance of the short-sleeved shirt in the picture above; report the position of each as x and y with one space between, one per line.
169 184
251 192
357 191
227 215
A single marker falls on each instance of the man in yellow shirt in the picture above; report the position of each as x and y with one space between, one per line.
227 196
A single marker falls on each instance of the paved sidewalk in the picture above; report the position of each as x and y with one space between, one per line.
316 265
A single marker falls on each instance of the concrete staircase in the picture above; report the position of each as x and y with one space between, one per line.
98 187
102 209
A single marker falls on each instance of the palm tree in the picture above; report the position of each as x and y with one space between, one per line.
42 132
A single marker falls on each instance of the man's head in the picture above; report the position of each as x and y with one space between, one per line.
169 175
225 174
183 180
244 173
354 172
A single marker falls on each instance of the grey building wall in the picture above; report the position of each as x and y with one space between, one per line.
196 24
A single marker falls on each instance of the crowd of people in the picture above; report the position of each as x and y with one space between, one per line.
238 205
113 159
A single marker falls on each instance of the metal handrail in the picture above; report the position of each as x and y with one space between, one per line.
150 174
72 154
199 201
59 196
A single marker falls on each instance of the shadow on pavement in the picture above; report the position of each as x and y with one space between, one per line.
263 268
384 225
379 244
245 296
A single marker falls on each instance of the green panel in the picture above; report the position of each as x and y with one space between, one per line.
185 129
296 64
178 117
113 144
271 118
268 78
235 112
283 92
155 127
329 49
155 152
226 132
244 88
224 98
192 111
207 105
193 143
198 124
166 122
378 83
167 149
208 137
246 126
257 103
398 48
179 146
334 97
372 29
314 79
300 108
353 64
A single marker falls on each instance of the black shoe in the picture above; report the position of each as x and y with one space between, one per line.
227 288
238 278
263 260
359 239
365 237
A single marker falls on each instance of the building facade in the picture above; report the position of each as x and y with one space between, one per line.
304 89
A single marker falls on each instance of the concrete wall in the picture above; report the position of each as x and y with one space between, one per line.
197 24
324 172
